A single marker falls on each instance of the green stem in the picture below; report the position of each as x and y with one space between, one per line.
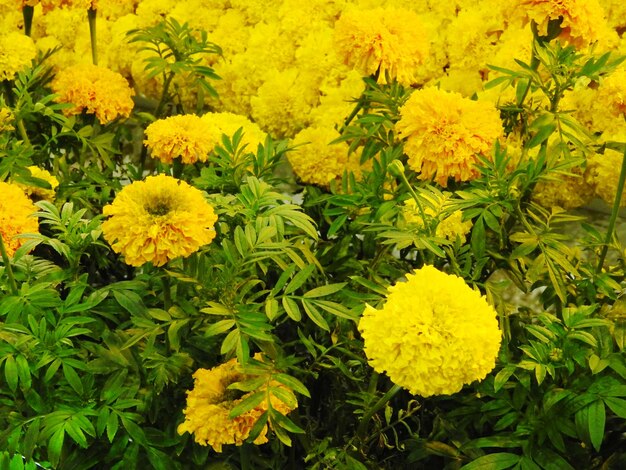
27 13
91 16
22 129
167 293
355 111
614 213
166 89
244 455
362 429
7 267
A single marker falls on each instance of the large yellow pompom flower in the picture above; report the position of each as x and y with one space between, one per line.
391 41
94 90
157 220
16 216
16 53
186 136
210 403
433 335
446 132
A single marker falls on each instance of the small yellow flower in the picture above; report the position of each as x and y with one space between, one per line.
157 220
210 403
433 335
36 192
94 90
445 133
186 136
16 216
16 53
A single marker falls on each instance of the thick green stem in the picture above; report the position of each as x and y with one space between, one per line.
362 429
7 267
27 13
614 214
22 129
166 89
91 16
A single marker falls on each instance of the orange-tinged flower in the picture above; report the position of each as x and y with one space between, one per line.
158 220
445 133
94 90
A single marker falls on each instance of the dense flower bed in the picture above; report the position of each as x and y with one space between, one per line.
245 234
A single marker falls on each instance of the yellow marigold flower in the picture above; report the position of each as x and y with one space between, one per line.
47 5
16 53
157 220
210 403
433 335
16 218
186 136
605 171
567 191
6 120
94 90
36 192
583 21
228 123
612 92
445 133
314 160
389 41
449 226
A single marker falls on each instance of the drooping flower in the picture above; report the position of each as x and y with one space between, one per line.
16 53
157 220
36 192
433 335
445 133
186 136
94 90
582 21
16 216
210 403
389 41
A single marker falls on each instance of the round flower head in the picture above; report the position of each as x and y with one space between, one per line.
94 90
16 211
604 171
568 192
582 23
433 335
314 159
47 5
36 192
157 220
16 53
210 403
186 136
445 133
391 42
229 123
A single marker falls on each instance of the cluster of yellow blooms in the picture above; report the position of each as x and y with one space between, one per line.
16 216
157 220
209 406
433 335
36 192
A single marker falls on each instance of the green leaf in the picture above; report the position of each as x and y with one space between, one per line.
247 404
498 461
72 378
596 420
218 328
502 377
10 372
299 279
325 290
314 314
292 309
292 383
55 446
112 426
